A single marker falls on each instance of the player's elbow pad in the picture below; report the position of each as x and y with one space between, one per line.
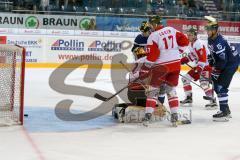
182 40
153 52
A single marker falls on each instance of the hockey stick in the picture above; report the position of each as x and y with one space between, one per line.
102 98
208 79
190 80
180 74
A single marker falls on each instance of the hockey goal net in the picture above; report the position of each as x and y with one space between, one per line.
12 67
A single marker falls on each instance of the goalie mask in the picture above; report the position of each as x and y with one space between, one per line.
144 27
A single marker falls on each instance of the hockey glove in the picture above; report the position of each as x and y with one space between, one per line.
184 60
210 60
144 72
215 74
140 52
195 73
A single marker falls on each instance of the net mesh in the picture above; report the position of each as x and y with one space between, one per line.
11 58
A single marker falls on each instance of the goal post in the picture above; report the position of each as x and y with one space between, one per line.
12 73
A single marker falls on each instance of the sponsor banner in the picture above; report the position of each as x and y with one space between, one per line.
34 46
31 31
118 34
60 32
226 28
8 31
41 21
56 49
89 33
231 39
59 50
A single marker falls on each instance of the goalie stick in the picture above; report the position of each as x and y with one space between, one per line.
105 99
102 98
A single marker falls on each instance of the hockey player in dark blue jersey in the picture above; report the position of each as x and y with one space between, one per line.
140 41
224 61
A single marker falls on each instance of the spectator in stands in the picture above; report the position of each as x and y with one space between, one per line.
18 4
44 5
181 8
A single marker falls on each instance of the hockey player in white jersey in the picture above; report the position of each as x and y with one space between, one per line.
162 66
201 72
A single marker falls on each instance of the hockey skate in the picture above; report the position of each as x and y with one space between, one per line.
229 113
187 100
174 119
221 116
147 119
212 105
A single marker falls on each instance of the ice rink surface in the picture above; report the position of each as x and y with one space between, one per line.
45 137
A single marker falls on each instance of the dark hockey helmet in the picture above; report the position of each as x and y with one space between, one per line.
144 27
192 31
155 19
212 23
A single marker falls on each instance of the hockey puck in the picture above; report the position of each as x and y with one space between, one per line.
25 115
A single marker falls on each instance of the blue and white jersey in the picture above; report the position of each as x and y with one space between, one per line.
222 53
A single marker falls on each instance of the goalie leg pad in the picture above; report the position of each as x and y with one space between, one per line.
135 114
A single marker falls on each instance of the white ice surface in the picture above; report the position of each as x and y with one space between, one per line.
45 137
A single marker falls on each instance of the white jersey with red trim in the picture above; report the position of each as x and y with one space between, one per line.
167 41
198 53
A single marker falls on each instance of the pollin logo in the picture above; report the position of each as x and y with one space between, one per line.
31 22
104 46
71 45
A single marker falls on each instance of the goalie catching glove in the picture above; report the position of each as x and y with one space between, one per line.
139 52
